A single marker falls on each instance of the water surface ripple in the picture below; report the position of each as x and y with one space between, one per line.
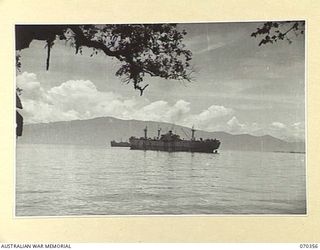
63 180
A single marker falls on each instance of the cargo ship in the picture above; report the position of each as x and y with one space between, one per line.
172 142
119 144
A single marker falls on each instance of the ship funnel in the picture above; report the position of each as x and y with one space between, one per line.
192 135
145 132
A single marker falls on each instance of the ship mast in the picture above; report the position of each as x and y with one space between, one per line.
145 132
159 129
192 135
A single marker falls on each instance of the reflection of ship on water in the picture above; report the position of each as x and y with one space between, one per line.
172 142
120 144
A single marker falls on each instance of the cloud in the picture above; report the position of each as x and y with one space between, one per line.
278 125
30 86
235 126
289 132
74 99
214 111
80 99
298 130
163 111
209 119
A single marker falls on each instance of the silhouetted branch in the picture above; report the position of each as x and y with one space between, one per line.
153 49
274 31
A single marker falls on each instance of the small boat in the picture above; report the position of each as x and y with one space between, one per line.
120 144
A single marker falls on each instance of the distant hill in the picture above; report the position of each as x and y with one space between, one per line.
100 131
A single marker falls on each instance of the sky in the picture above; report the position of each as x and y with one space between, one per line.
238 87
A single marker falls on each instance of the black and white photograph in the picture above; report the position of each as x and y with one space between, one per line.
160 119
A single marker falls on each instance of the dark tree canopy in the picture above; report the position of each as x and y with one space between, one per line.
142 49
272 32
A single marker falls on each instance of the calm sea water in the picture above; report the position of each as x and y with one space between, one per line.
63 180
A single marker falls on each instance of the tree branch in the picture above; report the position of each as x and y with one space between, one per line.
82 40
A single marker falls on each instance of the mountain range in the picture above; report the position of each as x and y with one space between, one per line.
100 131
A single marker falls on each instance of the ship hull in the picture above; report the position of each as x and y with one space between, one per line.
120 144
208 146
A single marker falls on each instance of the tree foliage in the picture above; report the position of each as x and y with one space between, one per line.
143 49
272 32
